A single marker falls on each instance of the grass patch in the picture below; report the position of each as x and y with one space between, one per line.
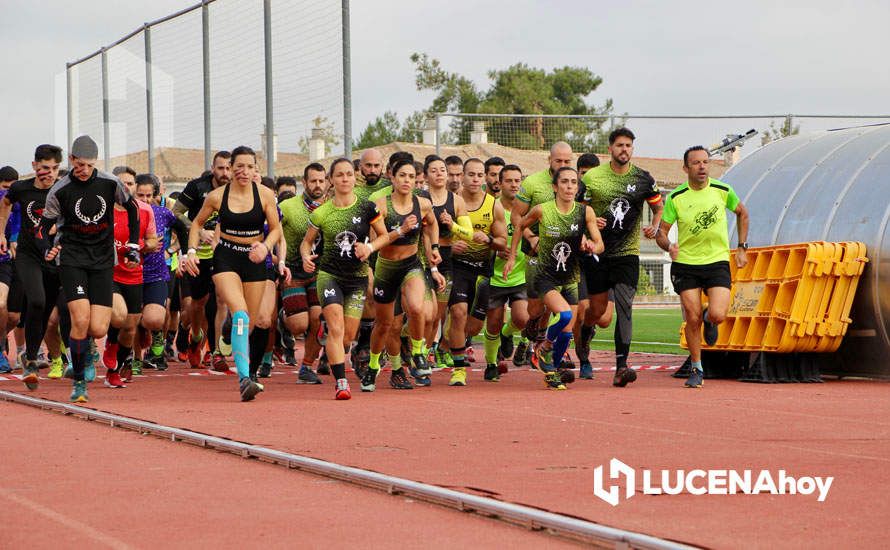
658 328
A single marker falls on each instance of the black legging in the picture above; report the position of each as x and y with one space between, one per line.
41 286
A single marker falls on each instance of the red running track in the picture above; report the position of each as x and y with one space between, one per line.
519 442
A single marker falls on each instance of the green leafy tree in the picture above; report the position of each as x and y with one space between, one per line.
787 128
330 137
384 129
524 90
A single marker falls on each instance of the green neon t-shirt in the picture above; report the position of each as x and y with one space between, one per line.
700 216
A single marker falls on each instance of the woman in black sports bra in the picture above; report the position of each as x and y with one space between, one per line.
448 208
398 269
239 259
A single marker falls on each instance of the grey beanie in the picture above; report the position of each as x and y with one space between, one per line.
84 148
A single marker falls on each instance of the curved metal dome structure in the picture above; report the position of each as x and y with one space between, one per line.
830 186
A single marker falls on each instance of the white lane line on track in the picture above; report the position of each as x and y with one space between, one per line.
58 517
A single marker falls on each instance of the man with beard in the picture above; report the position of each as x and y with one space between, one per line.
370 176
299 297
38 278
454 167
200 287
493 167
617 192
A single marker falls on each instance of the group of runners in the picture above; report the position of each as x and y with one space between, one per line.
397 260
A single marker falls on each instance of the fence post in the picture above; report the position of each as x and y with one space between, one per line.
70 100
106 134
270 119
347 85
149 111
438 135
205 35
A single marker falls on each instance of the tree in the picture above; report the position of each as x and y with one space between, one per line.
384 129
524 90
778 132
330 137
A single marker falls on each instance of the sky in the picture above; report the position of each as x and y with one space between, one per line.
819 57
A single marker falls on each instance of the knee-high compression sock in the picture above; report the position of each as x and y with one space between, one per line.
123 352
560 346
258 339
113 333
624 299
366 325
80 348
374 362
587 333
182 339
240 343
492 343
554 330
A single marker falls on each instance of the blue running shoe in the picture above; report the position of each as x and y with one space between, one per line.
79 395
586 370
4 364
696 379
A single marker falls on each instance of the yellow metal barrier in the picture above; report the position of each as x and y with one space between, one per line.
791 298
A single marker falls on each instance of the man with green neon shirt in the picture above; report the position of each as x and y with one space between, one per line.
536 189
502 291
618 191
701 255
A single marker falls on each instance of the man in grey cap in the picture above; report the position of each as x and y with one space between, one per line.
81 207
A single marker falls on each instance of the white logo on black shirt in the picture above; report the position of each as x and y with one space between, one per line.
345 240
561 252
90 219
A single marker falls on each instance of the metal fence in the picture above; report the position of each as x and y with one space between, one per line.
660 136
215 75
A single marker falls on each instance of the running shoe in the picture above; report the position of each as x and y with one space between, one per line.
113 379
359 358
503 368
265 370
471 354
520 356
543 357
249 389
42 361
586 370
342 392
566 375
206 359
109 356
157 343
443 359
5 367
492 374
696 379
69 372
369 380
458 377
553 381
623 377
56 368
306 376
223 347
31 378
182 356
399 381
323 367
193 354
420 365
711 331
79 394
506 349
169 353
126 370
136 367
219 363
420 379
89 371
567 364
289 357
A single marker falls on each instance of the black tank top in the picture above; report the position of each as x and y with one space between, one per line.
447 206
394 220
242 224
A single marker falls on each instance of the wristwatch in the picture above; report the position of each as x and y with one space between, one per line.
744 245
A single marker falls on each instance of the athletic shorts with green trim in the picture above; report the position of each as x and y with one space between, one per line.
390 275
349 293
568 290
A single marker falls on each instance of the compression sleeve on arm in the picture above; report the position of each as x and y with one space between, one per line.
132 220
463 228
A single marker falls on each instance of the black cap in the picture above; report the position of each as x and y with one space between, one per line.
8 173
84 148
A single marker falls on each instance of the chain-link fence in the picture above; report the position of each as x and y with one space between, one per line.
657 136
271 74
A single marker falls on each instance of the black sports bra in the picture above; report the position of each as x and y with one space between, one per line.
447 206
394 220
242 224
